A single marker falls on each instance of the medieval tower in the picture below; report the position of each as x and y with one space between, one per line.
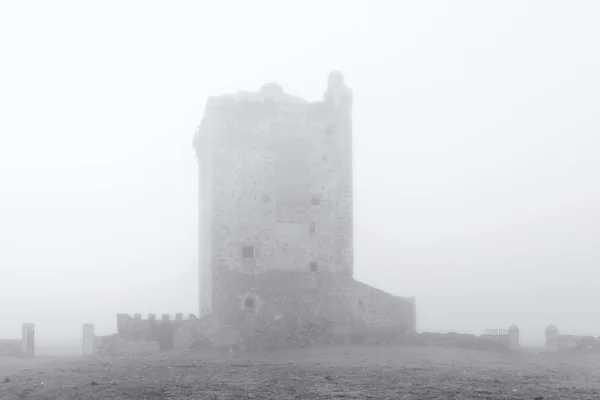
276 210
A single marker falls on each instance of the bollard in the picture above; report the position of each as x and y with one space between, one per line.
28 340
88 340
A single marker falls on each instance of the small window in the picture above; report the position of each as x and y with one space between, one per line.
324 158
315 201
360 304
314 266
329 129
266 198
249 302
248 252
312 228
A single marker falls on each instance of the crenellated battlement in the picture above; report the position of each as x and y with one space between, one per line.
130 324
272 97
154 317
161 328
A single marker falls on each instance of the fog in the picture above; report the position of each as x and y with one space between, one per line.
475 134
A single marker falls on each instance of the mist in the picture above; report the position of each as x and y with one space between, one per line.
475 145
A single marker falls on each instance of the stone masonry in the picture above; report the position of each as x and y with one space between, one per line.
276 221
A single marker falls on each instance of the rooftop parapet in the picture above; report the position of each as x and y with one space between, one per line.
337 96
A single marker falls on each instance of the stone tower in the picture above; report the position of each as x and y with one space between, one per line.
276 201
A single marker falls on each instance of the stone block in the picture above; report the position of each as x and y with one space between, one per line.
28 339
88 340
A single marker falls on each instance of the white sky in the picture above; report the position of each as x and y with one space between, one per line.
475 151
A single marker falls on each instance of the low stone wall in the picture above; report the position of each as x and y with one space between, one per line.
509 337
289 309
455 340
555 341
113 345
24 347
208 334
428 339
11 347
138 336
374 310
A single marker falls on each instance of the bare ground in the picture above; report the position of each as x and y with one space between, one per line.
317 373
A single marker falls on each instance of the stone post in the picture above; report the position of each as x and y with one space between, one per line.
513 337
413 314
88 340
552 336
28 340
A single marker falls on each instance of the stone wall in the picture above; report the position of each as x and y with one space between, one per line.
164 331
288 309
555 341
25 346
293 308
281 308
509 337
11 347
374 309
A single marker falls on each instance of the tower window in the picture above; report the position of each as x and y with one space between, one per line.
248 252
313 266
312 228
315 201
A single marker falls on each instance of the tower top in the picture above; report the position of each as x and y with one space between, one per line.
551 329
335 80
272 91
337 92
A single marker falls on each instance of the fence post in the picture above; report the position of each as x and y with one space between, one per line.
88 340
28 339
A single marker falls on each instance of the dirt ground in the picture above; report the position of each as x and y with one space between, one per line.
317 373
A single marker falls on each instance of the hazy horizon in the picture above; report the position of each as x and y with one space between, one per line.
475 149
